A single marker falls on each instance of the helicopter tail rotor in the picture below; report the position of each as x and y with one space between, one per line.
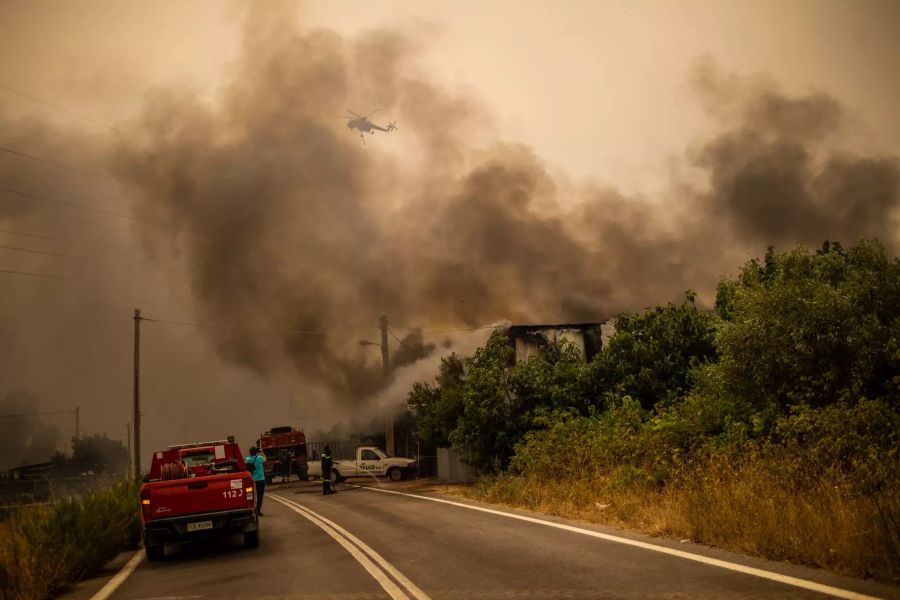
392 126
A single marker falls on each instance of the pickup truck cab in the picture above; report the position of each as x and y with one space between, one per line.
371 461
194 490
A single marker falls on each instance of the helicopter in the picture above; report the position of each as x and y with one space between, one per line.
364 125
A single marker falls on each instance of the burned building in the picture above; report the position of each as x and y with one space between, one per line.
588 337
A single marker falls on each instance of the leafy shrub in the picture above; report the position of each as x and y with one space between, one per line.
652 354
482 405
763 497
812 329
44 548
771 427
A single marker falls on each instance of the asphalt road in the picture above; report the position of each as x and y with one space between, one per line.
361 543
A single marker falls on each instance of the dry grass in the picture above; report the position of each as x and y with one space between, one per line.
825 524
44 548
747 510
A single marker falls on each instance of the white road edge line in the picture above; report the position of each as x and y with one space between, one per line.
377 574
787 579
411 587
119 578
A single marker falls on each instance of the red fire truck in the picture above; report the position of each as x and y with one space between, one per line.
194 490
285 450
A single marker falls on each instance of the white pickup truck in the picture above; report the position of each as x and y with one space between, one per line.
370 462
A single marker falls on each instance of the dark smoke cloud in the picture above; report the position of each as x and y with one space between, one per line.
24 439
772 182
286 221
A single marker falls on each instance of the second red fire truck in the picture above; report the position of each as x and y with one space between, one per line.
285 451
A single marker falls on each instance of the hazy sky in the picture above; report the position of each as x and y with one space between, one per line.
599 89
603 96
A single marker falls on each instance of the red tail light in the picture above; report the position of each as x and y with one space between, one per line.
145 502
249 491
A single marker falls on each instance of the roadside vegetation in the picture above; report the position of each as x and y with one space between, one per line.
45 548
95 454
769 426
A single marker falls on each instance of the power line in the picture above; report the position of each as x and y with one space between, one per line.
39 414
65 110
35 235
59 164
402 343
448 330
30 274
308 332
80 206
253 329
77 205
59 254
463 329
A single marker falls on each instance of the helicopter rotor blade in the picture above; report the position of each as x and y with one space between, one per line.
372 113
353 113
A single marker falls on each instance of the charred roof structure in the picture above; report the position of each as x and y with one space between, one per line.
588 337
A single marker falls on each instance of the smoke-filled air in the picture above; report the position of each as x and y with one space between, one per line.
266 240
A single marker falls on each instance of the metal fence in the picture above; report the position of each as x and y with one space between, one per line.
426 466
340 450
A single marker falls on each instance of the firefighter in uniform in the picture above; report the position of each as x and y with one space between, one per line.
284 464
327 486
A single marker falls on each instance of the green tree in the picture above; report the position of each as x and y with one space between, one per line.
482 434
554 378
94 453
811 328
437 407
652 354
483 405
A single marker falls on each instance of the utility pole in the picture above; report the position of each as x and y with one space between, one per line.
386 366
385 355
128 441
137 394
77 423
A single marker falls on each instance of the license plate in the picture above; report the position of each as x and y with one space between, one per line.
199 525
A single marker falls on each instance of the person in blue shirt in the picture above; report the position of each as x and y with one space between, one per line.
255 464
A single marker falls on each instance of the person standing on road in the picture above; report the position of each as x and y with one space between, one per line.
285 466
255 464
327 486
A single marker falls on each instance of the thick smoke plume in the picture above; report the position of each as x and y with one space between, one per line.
25 440
286 222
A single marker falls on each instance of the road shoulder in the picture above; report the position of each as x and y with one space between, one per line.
88 588
455 493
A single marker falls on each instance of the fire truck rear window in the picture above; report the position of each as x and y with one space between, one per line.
198 458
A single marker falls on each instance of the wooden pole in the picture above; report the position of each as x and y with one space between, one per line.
128 441
137 394
386 366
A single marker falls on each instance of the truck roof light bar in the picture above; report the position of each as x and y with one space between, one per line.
198 444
